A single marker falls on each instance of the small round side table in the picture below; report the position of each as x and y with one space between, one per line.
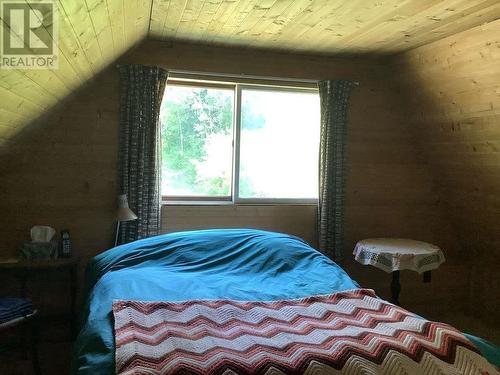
393 255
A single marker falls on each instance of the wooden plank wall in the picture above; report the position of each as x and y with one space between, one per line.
59 172
299 220
452 91
62 171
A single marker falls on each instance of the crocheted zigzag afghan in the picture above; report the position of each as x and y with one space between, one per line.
352 332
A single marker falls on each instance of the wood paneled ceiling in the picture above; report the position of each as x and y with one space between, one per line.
94 33
319 26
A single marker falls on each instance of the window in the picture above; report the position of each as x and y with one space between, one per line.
278 144
239 143
197 142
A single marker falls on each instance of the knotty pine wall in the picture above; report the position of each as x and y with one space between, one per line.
58 172
452 91
61 171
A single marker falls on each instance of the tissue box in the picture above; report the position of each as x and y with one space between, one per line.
39 250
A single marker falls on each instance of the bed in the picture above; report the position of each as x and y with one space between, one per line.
211 265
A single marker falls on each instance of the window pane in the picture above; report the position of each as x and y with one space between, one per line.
197 135
279 144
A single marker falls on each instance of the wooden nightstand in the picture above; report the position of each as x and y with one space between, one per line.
25 269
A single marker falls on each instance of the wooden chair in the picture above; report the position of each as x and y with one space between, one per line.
29 325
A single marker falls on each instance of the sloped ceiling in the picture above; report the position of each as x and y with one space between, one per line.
94 33
319 26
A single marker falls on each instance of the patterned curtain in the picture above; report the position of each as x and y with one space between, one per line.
334 99
141 93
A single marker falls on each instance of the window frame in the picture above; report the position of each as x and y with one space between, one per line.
237 86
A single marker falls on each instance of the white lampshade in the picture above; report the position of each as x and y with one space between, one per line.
124 213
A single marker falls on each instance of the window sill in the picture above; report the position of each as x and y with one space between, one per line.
241 203
197 203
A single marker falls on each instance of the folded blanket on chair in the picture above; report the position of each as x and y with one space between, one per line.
351 332
13 308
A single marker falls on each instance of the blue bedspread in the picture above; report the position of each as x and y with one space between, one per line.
240 264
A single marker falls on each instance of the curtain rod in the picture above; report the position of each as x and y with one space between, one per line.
249 76
245 76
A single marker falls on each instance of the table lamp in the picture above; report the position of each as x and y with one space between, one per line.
124 213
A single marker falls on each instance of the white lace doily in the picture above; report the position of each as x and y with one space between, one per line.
393 254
